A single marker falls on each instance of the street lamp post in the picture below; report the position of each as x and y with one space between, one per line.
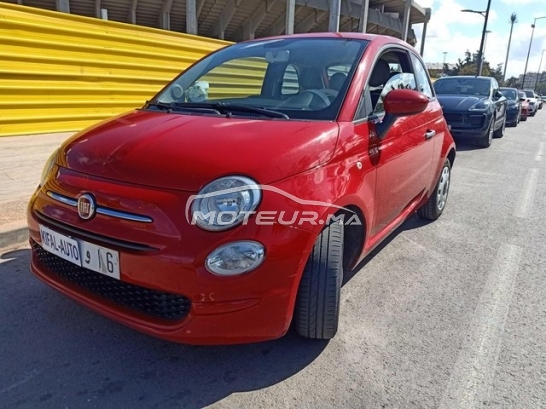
485 14
529 52
485 42
513 20
444 64
538 72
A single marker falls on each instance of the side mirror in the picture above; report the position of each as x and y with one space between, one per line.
405 102
398 103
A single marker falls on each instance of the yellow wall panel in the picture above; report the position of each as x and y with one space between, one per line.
61 72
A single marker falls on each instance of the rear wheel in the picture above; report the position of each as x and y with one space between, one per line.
316 313
437 202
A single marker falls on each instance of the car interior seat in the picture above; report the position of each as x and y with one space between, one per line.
337 80
380 75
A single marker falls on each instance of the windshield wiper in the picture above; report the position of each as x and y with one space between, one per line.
163 105
228 107
181 106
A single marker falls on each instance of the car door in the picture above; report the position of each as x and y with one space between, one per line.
404 154
500 104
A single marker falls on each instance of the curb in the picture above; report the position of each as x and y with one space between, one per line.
13 233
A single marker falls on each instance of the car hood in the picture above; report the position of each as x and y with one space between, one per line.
188 151
511 103
459 102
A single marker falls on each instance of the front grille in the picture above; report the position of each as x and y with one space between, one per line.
476 120
464 121
151 302
453 118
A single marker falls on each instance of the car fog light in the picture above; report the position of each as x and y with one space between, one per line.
235 258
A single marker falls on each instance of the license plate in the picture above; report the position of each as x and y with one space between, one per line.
81 253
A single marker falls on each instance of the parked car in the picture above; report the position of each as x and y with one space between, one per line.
474 107
230 205
533 101
513 107
524 105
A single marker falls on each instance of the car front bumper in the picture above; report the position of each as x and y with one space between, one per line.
468 125
512 116
195 306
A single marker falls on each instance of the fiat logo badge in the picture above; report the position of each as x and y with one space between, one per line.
86 206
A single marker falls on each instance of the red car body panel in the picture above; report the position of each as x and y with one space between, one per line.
524 109
341 162
106 150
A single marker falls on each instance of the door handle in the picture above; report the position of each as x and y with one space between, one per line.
429 134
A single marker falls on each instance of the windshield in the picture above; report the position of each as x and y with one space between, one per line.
510 93
463 86
301 78
521 94
530 94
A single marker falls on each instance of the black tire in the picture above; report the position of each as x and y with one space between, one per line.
487 138
437 201
316 313
499 133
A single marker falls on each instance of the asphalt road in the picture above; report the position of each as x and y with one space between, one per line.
450 314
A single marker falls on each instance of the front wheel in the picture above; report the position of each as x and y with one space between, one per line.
437 202
316 313
485 140
499 133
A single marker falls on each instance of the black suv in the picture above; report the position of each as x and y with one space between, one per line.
474 107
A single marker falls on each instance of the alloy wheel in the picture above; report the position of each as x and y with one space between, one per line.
443 188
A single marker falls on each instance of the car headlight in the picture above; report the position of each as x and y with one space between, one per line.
235 258
480 106
48 166
225 202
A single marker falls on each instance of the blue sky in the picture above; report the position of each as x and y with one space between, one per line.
454 32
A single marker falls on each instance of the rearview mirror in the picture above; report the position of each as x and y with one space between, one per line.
277 56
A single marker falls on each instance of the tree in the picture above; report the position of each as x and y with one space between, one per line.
511 82
469 66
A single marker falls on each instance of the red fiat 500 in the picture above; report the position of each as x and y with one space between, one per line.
229 205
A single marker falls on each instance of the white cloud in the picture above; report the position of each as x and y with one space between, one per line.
454 32
521 2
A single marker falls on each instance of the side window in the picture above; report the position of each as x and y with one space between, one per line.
393 70
421 74
290 81
495 89
400 76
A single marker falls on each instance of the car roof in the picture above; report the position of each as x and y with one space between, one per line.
357 36
467 76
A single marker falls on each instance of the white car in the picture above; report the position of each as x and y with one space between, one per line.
533 101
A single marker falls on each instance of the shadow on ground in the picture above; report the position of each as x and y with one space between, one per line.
413 222
57 353
61 354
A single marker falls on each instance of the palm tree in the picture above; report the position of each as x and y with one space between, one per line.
513 19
